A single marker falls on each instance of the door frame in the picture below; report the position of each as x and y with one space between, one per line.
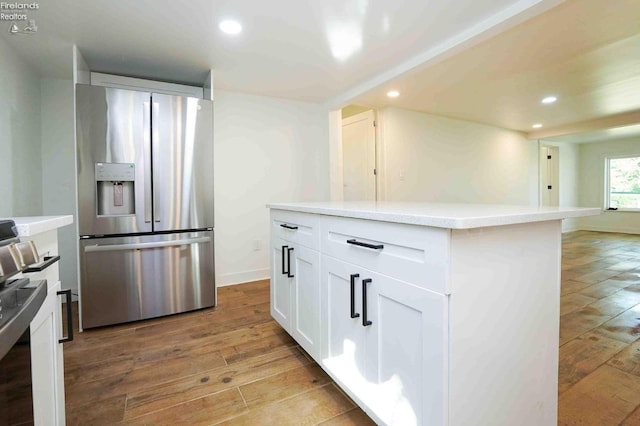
543 167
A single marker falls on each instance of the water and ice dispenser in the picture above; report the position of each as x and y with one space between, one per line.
115 186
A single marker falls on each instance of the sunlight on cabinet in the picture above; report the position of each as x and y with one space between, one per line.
389 403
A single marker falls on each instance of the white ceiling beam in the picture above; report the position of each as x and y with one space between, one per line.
494 25
609 122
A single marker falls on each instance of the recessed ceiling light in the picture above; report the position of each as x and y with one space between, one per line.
537 126
393 93
229 26
549 99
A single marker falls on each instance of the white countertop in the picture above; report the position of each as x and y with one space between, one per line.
29 226
453 216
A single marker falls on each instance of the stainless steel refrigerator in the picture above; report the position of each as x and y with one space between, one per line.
145 204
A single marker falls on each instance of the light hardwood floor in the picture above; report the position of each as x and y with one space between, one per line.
235 365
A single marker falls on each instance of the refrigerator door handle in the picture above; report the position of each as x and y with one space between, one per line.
147 162
139 246
155 136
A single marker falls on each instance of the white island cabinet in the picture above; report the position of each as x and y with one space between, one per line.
47 363
426 314
295 290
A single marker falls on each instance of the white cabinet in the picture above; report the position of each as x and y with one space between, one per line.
47 359
47 363
295 281
384 342
280 284
415 254
461 325
305 298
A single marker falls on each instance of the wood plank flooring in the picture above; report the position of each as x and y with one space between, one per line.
235 365
229 365
599 330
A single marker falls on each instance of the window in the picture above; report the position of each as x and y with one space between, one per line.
623 183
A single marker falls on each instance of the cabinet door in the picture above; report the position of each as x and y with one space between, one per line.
406 349
305 298
280 284
343 337
47 364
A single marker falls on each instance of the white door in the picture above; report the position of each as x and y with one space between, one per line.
392 356
305 297
280 283
549 179
359 157
47 361
406 348
343 347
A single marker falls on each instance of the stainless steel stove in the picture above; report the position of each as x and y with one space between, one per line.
20 300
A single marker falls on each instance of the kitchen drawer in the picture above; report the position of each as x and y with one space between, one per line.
415 254
296 227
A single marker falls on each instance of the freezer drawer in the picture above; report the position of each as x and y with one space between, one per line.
133 278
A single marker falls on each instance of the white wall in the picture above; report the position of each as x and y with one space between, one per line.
20 174
59 170
437 159
266 150
591 174
569 154
37 169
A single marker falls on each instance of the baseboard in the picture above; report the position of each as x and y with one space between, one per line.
570 225
223 280
613 230
571 229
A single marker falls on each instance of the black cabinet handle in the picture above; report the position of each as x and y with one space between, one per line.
367 245
353 296
365 321
69 337
284 225
289 250
284 270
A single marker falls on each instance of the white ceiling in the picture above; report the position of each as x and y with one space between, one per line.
306 50
586 52
488 61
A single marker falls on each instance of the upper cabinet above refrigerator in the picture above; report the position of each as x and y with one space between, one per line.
145 162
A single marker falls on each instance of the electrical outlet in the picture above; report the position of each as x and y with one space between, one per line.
256 245
401 176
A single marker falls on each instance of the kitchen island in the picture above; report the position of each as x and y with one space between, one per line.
430 314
